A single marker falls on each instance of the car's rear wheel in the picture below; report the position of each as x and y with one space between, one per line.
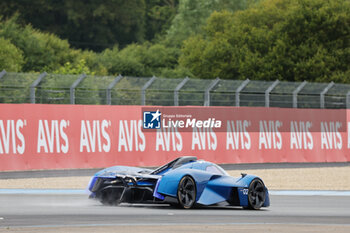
110 197
186 192
256 194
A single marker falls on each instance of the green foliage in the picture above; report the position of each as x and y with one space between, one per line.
192 16
178 72
140 60
95 25
116 63
42 51
274 39
79 68
255 39
114 21
159 15
92 62
11 58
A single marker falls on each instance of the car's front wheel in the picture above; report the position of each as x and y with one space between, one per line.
186 192
256 194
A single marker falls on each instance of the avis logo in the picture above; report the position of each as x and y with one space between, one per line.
151 120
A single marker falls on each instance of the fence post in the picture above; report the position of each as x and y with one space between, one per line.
110 87
239 89
296 92
323 93
177 89
74 85
207 91
143 90
2 73
34 85
268 91
348 100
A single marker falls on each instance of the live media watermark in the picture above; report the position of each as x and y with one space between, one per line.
231 119
185 120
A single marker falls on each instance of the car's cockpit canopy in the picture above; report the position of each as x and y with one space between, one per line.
174 164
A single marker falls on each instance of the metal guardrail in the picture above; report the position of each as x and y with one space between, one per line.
85 89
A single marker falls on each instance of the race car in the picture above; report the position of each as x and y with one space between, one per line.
184 182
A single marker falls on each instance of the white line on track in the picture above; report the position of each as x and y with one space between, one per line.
308 193
44 191
173 224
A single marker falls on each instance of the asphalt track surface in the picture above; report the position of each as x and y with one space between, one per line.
76 210
67 211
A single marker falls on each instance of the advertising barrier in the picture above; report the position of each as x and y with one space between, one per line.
34 136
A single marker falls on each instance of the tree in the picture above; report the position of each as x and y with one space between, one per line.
159 15
274 39
79 68
42 51
95 24
104 23
140 60
11 58
192 16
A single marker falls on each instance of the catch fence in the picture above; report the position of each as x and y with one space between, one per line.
123 90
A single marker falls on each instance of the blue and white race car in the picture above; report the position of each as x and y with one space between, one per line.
185 182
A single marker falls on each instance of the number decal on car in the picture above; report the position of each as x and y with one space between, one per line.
245 191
